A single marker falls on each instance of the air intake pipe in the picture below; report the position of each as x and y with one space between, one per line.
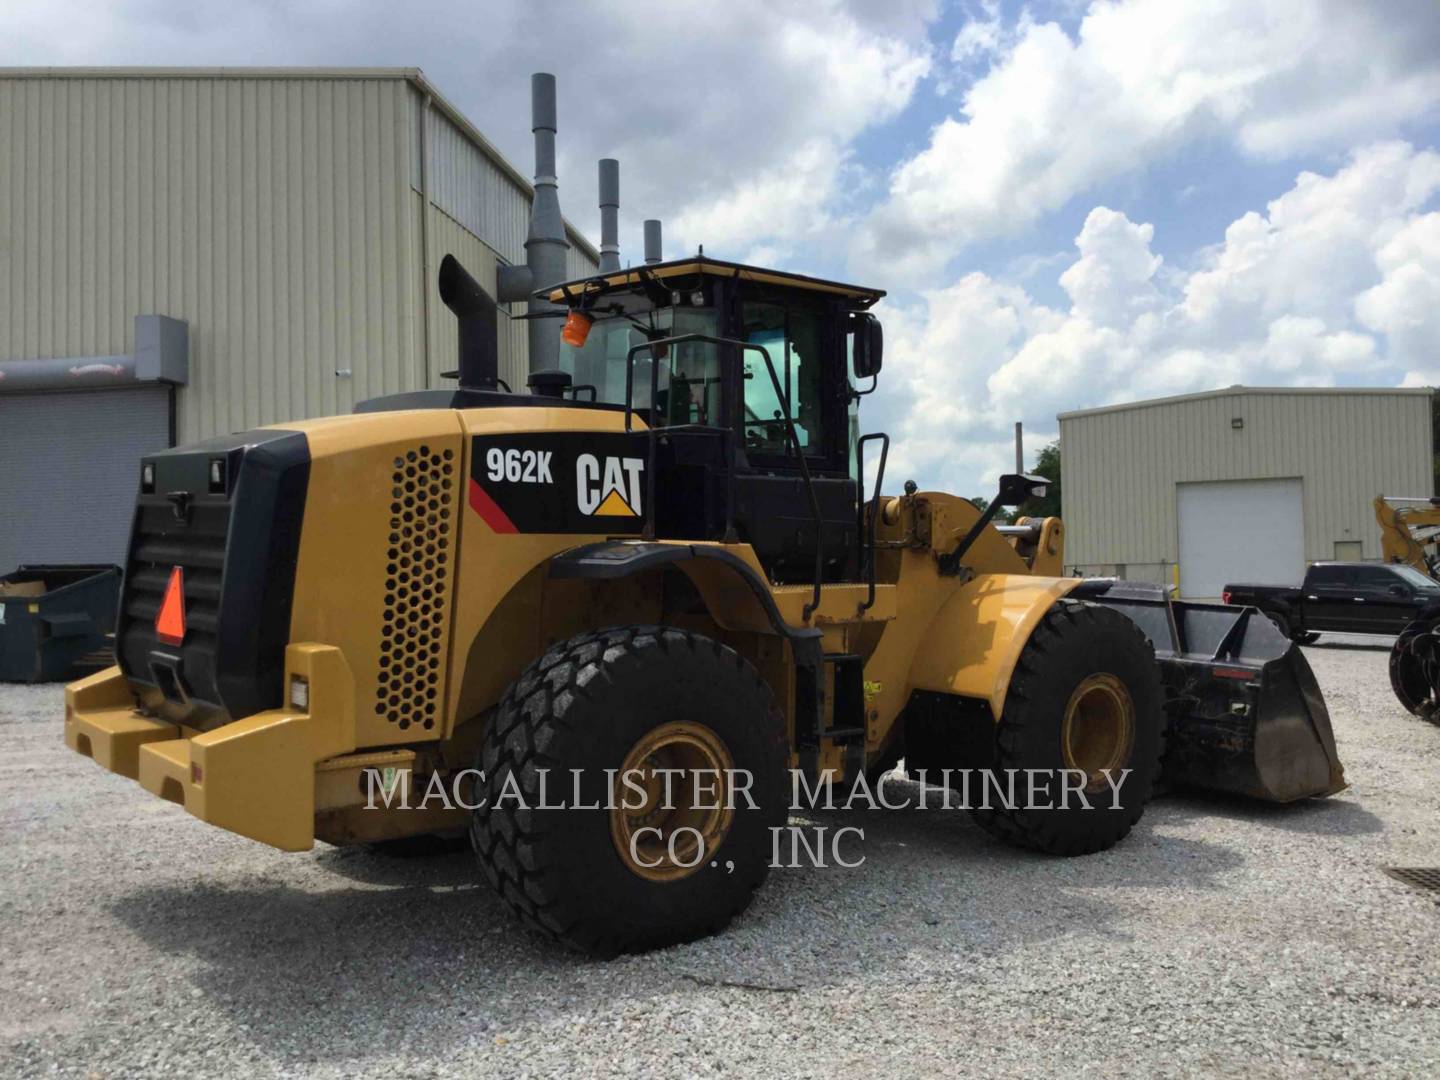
478 322
652 241
609 215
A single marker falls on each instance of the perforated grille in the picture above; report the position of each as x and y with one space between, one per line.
417 573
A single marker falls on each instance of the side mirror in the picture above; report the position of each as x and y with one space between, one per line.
1399 590
869 349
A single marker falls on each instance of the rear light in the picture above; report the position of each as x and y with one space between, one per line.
147 477
300 692
1225 596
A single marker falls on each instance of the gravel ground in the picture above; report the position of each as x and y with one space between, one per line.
1222 937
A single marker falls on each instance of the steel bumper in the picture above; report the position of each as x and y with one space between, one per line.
255 776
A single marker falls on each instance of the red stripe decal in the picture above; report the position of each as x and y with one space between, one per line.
486 507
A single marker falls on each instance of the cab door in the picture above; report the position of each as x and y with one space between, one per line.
1387 600
1330 598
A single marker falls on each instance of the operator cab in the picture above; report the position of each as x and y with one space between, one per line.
728 464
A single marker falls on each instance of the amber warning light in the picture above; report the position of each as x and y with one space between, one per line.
577 329
170 620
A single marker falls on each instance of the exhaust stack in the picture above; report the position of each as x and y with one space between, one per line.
609 215
545 244
477 318
652 241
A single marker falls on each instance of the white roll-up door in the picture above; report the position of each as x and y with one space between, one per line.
69 471
1240 531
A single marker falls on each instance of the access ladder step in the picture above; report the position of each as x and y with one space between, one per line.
847 714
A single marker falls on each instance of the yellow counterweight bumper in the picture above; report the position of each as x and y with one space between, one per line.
254 776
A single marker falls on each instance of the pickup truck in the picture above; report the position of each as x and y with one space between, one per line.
1342 597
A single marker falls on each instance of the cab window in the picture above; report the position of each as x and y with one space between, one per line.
1332 576
793 338
688 375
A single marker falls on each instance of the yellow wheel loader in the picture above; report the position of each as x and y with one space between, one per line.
624 616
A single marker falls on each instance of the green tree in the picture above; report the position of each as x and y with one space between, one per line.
1047 464
1004 517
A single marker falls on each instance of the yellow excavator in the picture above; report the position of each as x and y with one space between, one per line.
1409 531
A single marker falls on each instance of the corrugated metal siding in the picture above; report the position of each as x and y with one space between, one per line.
578 264
470 187
1121 467
273 214
268 213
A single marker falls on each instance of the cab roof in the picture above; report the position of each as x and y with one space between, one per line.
858 295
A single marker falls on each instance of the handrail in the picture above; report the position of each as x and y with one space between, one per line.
792 436
860 534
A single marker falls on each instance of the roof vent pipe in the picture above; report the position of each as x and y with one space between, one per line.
609 215
652 241
545 245
478 342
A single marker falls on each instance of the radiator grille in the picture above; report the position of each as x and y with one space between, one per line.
195 542
417 572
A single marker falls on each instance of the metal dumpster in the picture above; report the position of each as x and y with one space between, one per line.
56 621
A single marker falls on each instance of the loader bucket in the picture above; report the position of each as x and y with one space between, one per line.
1246 714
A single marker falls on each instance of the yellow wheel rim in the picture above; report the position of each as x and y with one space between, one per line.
1098 734
669 807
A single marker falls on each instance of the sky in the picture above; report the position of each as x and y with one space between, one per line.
1070 203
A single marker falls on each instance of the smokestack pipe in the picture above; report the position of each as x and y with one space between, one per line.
479 352
609 215
652 241
545 244
545 247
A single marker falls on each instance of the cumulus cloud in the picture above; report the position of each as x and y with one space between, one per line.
1338 280
1054 116
1405 304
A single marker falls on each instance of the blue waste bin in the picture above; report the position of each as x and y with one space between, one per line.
57 621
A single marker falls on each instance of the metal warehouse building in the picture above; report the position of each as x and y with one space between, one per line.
185 253
1241 484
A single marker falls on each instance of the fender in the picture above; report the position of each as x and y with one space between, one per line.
1283 609
975 639
703 563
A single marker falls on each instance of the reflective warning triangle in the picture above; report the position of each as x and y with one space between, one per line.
170 620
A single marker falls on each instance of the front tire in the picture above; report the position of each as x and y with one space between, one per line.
1086 695
634 699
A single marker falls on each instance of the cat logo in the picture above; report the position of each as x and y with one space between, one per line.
608 488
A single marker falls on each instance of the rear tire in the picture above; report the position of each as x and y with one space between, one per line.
594 703
1086 693
1280 622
